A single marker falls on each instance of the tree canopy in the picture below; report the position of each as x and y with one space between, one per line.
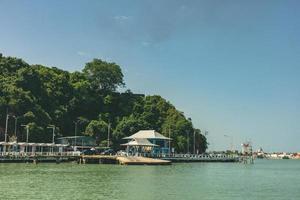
103 75
39 96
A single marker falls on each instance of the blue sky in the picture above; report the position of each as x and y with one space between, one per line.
232 66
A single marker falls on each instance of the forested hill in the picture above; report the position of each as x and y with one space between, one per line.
41 96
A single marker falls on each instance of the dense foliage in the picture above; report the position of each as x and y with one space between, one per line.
41 96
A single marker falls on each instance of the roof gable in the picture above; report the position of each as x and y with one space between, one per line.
139 142
147 134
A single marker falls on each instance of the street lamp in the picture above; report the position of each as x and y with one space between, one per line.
27 133
16 122
6 125
53 130
108 133
194 142
75 132
169 141
188 141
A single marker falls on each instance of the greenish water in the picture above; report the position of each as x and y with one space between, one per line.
266 179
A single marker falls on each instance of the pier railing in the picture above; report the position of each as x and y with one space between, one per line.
187 156
34 154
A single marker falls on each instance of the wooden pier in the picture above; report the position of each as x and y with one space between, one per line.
201 158
97 159
37 159
123 160
85 159
172 159
142 161
116 159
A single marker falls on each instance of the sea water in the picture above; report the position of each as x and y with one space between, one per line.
266 180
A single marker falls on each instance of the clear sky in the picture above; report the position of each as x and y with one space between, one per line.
232 66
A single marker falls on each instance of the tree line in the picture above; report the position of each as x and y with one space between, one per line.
40 96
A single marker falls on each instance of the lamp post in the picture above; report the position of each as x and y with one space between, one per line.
194 142
169 141
6 127
53 131
27 133
108 134
16 123
188 136
75 132
188 141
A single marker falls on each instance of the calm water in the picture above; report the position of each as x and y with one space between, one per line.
266 179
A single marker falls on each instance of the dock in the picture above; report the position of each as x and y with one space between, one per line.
97 159
142 161
37 159
116 159
172 159
122 160
201 158
85 159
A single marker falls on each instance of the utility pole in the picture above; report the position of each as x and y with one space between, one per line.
27 133
231 144
169 141
16 122
75 142
6 127
194 142
108 133
53 132
188 141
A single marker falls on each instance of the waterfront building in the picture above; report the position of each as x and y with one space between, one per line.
23 148
78 142
148 142
296 156
139 146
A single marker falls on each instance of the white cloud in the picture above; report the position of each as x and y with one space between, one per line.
145 43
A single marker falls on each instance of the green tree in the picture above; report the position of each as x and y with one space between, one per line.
126 127
40 95
97 129
103 75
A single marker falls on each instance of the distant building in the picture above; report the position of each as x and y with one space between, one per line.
78 142
147 142
296 156
260 153
247 148
23 148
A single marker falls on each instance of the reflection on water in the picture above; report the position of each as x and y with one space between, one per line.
266 179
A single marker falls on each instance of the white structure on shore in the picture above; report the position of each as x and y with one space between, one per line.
148 142
25 149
